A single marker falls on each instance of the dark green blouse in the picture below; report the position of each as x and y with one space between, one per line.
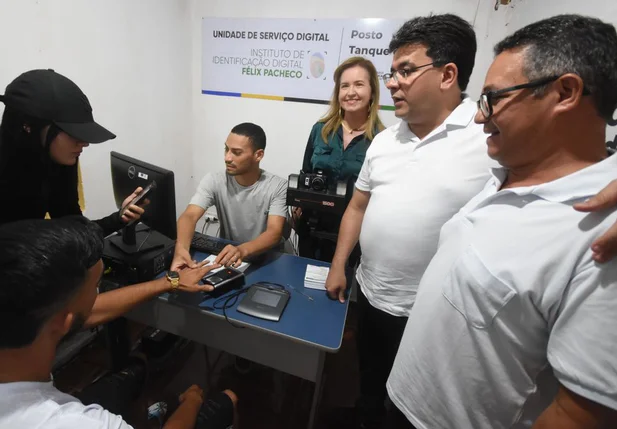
330 156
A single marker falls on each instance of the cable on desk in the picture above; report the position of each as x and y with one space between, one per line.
271 285
231 300
227 303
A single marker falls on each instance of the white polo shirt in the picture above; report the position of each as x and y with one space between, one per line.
416 185
38 405
511 303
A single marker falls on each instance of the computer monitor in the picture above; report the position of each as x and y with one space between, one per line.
127 174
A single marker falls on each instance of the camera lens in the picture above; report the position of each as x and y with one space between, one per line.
318 184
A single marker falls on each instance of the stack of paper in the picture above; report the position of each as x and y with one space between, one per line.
315 277
243 266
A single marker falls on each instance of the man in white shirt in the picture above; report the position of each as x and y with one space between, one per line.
514 324
50 270
416 175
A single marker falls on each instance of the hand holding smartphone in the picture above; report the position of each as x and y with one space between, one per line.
139 200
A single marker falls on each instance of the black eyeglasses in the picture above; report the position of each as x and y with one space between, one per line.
485 103
402 73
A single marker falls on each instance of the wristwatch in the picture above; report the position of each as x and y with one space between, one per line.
174 279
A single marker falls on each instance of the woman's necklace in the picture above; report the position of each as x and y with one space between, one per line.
350 130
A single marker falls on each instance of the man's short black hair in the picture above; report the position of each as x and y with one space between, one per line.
571 44
448 39
254 132
43 264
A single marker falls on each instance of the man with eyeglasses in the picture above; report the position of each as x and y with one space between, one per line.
514 322
417 174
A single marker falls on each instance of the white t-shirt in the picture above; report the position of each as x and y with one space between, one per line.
511 303
36 405
415 186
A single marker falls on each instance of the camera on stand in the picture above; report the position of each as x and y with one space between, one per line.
317 181
323 200
317 191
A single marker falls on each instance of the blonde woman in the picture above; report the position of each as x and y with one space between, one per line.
338 143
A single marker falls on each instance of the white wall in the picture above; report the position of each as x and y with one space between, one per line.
492 26
131 58
139 62
287 124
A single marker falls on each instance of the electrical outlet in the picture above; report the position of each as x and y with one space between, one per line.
209 218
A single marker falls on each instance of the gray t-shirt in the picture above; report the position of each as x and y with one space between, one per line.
242 210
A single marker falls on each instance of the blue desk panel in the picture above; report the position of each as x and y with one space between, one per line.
318 323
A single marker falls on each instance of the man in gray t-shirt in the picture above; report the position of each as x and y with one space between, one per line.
250 202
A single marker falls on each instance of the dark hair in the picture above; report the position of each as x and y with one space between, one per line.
571 44
43 264
25 164
447 38
15 142
255 133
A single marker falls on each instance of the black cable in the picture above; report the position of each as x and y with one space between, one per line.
269 285
227 303
145 239
227 300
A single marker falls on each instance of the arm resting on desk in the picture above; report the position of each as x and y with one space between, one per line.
186 230
267 239
571 411
113 304
233 255
186 225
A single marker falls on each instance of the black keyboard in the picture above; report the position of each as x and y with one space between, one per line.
205 244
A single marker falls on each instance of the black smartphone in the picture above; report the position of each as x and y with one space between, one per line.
140 198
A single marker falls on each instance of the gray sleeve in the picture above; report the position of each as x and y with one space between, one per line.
582 341
278 204
206 191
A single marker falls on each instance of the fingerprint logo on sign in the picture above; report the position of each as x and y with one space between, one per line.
317 65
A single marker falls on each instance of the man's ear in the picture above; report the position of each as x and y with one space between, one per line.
259 154
60 324
570 89
449 76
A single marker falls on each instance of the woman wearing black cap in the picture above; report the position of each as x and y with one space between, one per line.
46 125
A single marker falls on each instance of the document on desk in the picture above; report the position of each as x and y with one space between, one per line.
315 277
243 266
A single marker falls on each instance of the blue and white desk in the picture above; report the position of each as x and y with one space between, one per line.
297 344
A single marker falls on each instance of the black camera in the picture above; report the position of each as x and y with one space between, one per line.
319 192
317 181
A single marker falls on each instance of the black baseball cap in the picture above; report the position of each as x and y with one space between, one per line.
48 95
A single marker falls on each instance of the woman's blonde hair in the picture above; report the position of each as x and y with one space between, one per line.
334 118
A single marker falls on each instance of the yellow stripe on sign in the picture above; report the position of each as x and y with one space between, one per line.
263 97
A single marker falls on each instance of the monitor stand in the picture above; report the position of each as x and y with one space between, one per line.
131 241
